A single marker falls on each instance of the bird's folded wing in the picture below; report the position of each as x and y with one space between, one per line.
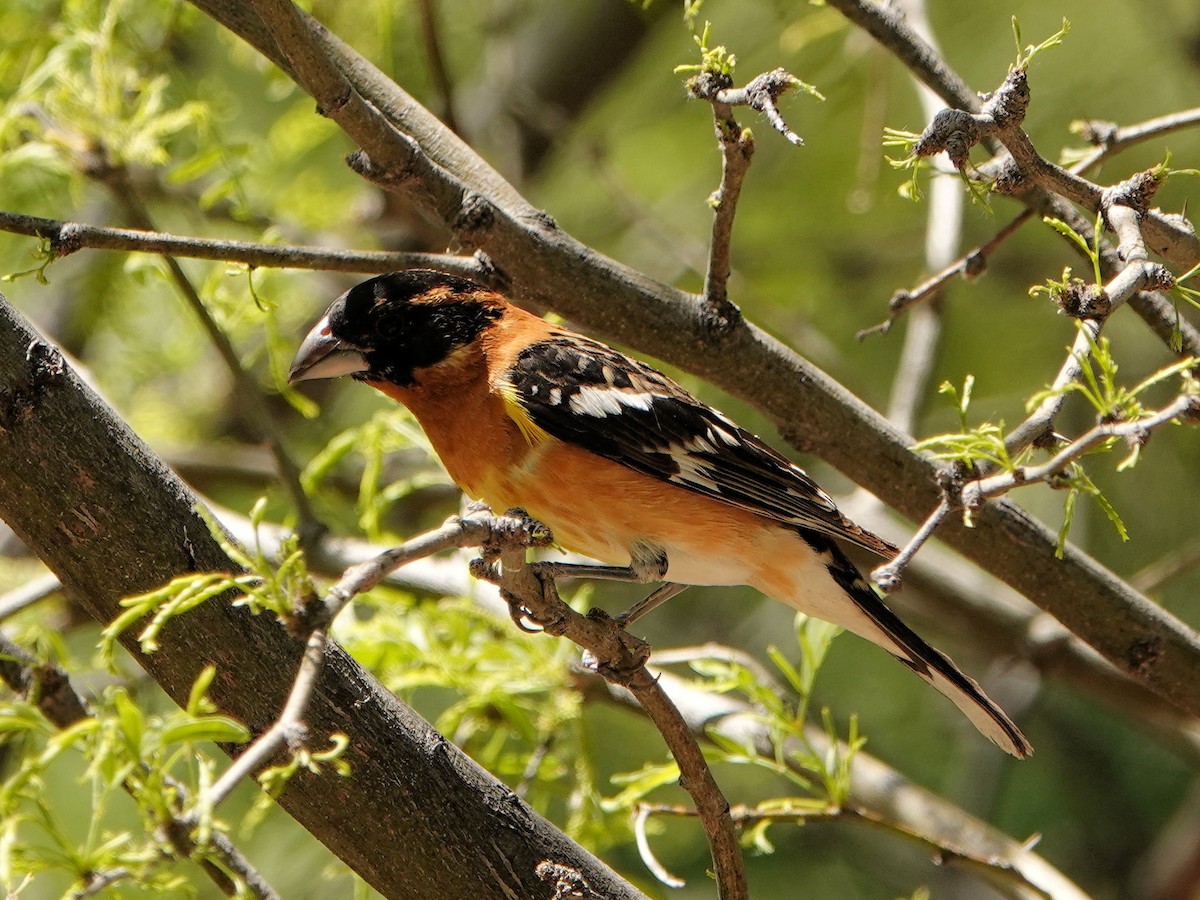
588 394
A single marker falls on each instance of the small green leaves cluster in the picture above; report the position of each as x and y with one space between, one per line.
119 749
262 586
984 445
1111 400
820 780
389 438
1025 55
908 161
972 445
1089 250
1189 295
713 60
90 95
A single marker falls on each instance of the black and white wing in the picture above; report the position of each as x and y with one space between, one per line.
588 394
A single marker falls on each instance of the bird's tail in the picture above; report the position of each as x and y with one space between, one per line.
880 625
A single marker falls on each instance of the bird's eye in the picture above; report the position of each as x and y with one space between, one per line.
391 326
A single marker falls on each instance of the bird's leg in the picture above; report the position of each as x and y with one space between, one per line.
584 570
651 602
647 563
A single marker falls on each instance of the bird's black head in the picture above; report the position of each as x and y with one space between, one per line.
390 326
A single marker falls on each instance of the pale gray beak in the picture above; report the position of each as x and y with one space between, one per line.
324 356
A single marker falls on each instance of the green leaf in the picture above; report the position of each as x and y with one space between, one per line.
1025 56
218 729
196 697
640 783
16 718
132 722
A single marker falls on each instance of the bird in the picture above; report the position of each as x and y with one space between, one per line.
619 461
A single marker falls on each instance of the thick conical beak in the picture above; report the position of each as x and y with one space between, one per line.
324 356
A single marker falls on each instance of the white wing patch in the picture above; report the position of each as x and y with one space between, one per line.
603 401
693 472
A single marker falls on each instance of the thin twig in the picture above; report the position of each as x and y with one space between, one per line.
66 238
63 706
873 785
737 149
975 492
34 591
101 881
620 658
888 576
997 869
969 267
641 815
762 93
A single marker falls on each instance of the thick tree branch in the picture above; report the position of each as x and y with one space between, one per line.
317 617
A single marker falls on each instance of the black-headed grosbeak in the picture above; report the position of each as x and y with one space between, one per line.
620 462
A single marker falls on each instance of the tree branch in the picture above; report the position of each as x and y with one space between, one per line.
25 596
66 238
620 658
974 492
737 149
